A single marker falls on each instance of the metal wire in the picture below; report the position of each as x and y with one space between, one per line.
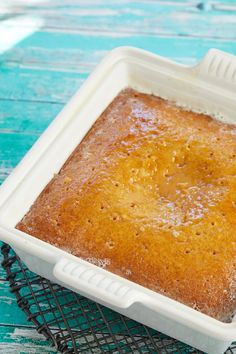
74 324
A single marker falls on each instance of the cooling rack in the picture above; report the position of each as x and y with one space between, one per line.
75 324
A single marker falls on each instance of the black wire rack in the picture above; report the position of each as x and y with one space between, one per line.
74 324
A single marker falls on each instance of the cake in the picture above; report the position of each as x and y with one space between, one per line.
150 195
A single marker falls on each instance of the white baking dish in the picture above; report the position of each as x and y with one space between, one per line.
209 86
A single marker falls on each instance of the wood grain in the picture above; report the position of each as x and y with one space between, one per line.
185 18
23 340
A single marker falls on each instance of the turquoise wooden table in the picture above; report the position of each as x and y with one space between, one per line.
48 48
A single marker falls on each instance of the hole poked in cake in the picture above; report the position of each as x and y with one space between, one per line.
90 222
110 244
115 216
145 247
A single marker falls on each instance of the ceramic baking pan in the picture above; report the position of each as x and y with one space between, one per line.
209 87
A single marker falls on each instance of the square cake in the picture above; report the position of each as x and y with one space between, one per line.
150 194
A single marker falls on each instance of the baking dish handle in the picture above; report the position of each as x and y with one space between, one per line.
93 282
219 67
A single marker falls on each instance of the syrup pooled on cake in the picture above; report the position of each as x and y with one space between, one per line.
151 189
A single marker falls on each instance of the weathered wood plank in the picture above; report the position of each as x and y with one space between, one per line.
13 148
201 19
52 59
20 125
37 85
3 274
150 17
23 116
2 271
8 307
18 340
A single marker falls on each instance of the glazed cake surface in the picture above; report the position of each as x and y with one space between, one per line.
150 194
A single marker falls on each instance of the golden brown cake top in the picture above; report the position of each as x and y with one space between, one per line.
150 193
